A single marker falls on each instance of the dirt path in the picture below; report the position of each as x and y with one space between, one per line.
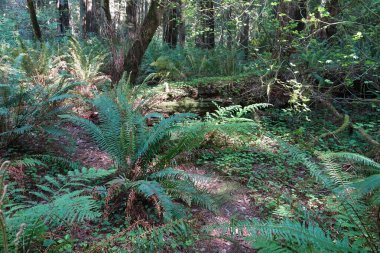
85 150
234 203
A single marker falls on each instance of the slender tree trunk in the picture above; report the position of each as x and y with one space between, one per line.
88 16
244 35
131 19
229 28
4 94
33 19
64 16
91 22
170 26
82 11
181 25
144 37
207 36
107 11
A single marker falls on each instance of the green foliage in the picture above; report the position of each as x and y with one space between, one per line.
344 188
86 60
330 52
299 237
182 63
36 61
59 201
124 134
32 109
171 236
234 113
140 153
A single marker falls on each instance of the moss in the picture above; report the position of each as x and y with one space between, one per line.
197 82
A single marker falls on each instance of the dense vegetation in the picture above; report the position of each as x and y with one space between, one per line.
189 126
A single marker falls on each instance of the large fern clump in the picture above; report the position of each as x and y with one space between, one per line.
85 60
142 154
26 109
356 194
58 201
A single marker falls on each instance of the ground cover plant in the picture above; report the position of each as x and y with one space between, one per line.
189 126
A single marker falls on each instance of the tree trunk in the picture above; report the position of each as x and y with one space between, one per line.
294 11
82 15
181 25
33 19
88 17
131 19
144 36
170 26
207 36
64 16
229 28
325 30
107 11
244 35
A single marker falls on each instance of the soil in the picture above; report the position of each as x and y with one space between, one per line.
84 150
234 203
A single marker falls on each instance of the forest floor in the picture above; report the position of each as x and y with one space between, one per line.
234 198
252 181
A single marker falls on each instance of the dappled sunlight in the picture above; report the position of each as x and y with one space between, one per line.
189 126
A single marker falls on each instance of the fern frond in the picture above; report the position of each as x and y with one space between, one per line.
293 233
234 113
190 194
153 188
159 131
171 174
354 157
367 185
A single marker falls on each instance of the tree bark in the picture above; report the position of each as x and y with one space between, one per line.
170 26
181 25
229 28
325 30
82 15
131 19
294 11
244 35
107 11
207 37
64 16
33 19
144 37
88 17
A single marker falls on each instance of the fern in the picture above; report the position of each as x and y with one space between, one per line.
357 158
64 198
148 239
165 190
234 112
85 61
29 54
309 237
141 153
173 174
123 132
294 233
344 187
33 109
